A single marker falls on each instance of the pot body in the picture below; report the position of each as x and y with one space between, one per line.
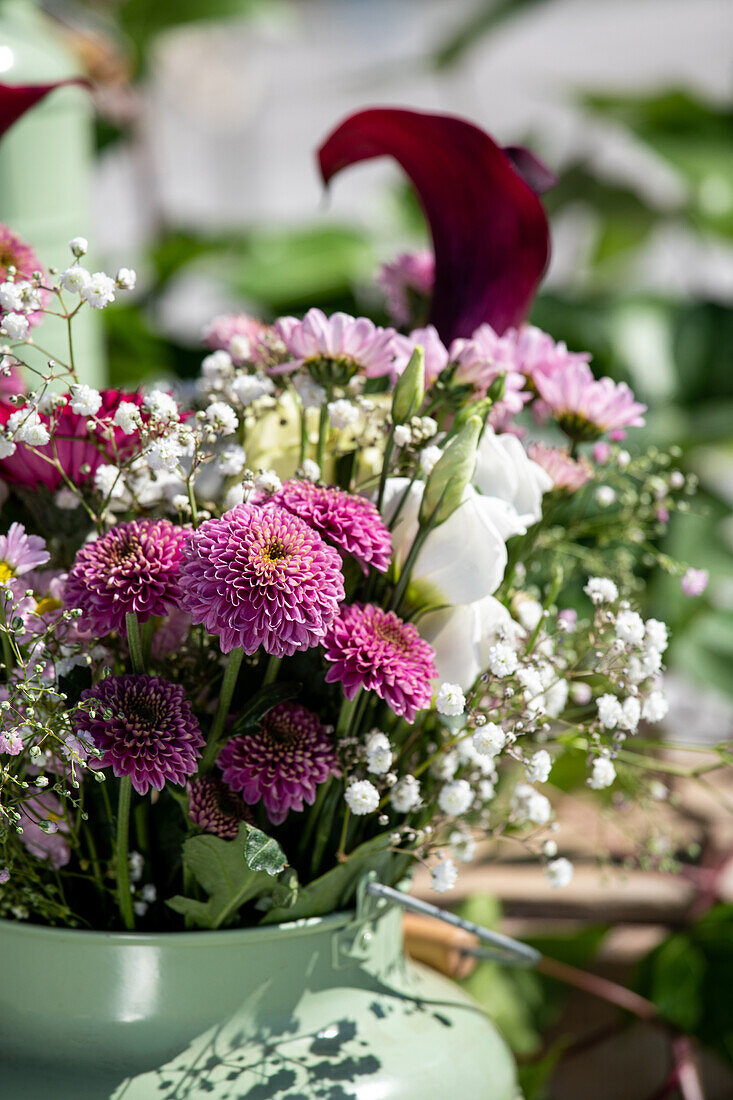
326 1008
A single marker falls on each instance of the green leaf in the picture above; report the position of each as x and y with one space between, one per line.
232 872
260 703
262 853
335 890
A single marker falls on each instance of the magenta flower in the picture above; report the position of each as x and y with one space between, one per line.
133 568
44 828
436 353
282 763
78 448
16 99
145 728
490 232
340 343
261 577
20 553
407 282
374 649
694 582
350 522
566 472
585 407
215 808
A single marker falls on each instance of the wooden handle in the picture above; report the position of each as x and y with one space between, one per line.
438 945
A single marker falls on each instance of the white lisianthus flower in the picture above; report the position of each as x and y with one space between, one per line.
601 590
455 797
505 470
444 876
450 700
539 767
559 873
461 563
405 795
489 740
378 753
85 400
603 773
362 797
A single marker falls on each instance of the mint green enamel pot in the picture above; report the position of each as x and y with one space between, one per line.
321 1009
46 170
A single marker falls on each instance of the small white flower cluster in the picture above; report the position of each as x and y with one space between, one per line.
229 379
97 289
416 433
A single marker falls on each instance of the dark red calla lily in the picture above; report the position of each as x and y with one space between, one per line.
490 232
16 99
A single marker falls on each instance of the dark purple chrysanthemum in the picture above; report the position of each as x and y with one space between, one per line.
215 808
282 763
151 735
375 649
261 577
134 567
351 522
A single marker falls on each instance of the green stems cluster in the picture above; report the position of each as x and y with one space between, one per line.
228 685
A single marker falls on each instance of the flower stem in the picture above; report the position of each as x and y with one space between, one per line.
124 898
228 685
273 667
322 433
134 642
388 449
406 573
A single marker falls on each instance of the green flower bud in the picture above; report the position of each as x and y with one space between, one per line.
410 389
451 474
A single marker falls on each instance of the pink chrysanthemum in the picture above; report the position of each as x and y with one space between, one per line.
479 362
350 522
133 568
20 553
261 339
79 448
14 252
339 345
566 472
261 577
215 808
530 351
436 353
145 728
374 649
407 282
586 407
282 763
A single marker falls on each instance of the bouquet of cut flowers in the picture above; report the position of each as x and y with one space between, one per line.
342 605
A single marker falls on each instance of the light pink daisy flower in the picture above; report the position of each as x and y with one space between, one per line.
339 345
374 649
694 582
480 361
586 407
436 353
533 351
233 332
20 553
282 763
566 472
261 577
350 522
407 282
